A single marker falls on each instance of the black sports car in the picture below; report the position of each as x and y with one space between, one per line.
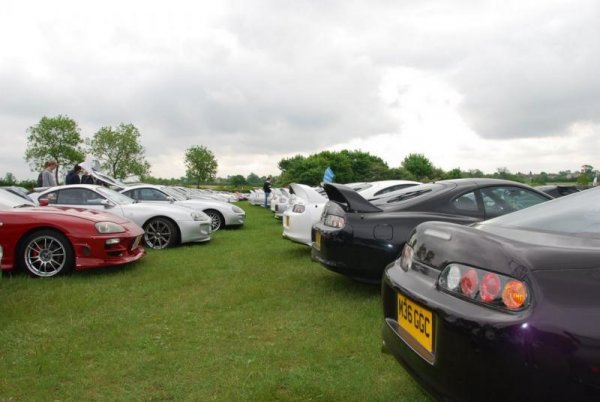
358 239
507 309
557 191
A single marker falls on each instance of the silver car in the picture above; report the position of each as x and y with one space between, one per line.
165 225
221 213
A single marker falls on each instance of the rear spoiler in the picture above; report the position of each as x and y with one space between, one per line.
353 200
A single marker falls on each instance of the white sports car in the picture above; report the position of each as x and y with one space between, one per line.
280 201
165 225
306 211
221 213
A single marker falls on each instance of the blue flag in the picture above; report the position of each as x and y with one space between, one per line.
328 176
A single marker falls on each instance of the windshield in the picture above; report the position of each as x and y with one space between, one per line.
9 200
173 193
114 196
574 214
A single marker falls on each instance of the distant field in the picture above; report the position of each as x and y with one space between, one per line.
247 316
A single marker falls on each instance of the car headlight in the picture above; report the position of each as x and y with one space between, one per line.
0 253
199 216
109 227
237 210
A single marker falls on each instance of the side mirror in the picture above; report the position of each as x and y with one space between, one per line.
107 203
43 202
171 199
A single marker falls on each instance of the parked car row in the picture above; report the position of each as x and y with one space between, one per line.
489 287
84 226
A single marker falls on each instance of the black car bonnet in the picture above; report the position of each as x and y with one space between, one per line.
348 197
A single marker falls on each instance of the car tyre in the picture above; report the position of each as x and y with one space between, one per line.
46 253
216 219
160 233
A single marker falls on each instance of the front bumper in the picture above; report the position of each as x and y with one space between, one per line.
235 220
195 231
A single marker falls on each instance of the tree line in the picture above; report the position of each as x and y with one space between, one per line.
117 149
120 153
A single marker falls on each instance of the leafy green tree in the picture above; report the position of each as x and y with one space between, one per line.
399 173
254 180
119 151
583 180
419 166
8 180
348 166
237 180
455 173
504 173
201 165
57 138
474 173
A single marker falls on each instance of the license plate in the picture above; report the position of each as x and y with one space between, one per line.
136 242
417 321
287 221
318 240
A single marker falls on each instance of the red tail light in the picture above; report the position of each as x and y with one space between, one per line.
489 288
469 282
485 287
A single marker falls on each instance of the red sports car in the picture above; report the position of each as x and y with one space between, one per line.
47 241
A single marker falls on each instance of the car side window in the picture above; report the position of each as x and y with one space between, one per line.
70 196
466 203
91 197
502 200
130 194
151 194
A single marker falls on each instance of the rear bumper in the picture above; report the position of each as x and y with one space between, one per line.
360 259
480 353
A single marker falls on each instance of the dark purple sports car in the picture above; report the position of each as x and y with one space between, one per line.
507 309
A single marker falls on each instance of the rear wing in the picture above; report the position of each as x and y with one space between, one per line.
353 201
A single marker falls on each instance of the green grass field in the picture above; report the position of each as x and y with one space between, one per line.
247 316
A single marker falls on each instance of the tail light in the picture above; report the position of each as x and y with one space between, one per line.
406 259
333 215
485 287
334 221
298 208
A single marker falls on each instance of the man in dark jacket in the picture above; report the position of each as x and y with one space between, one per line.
73 175
267 189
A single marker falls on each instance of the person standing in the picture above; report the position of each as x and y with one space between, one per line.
48 178
73 175
267 189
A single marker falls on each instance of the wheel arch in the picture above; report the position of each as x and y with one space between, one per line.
173 221
21 241
221 215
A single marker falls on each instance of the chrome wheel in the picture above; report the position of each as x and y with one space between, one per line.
160 233
216 220
47 254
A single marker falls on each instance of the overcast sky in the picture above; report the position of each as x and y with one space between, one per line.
470 84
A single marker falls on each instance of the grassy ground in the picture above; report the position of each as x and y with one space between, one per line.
247 316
